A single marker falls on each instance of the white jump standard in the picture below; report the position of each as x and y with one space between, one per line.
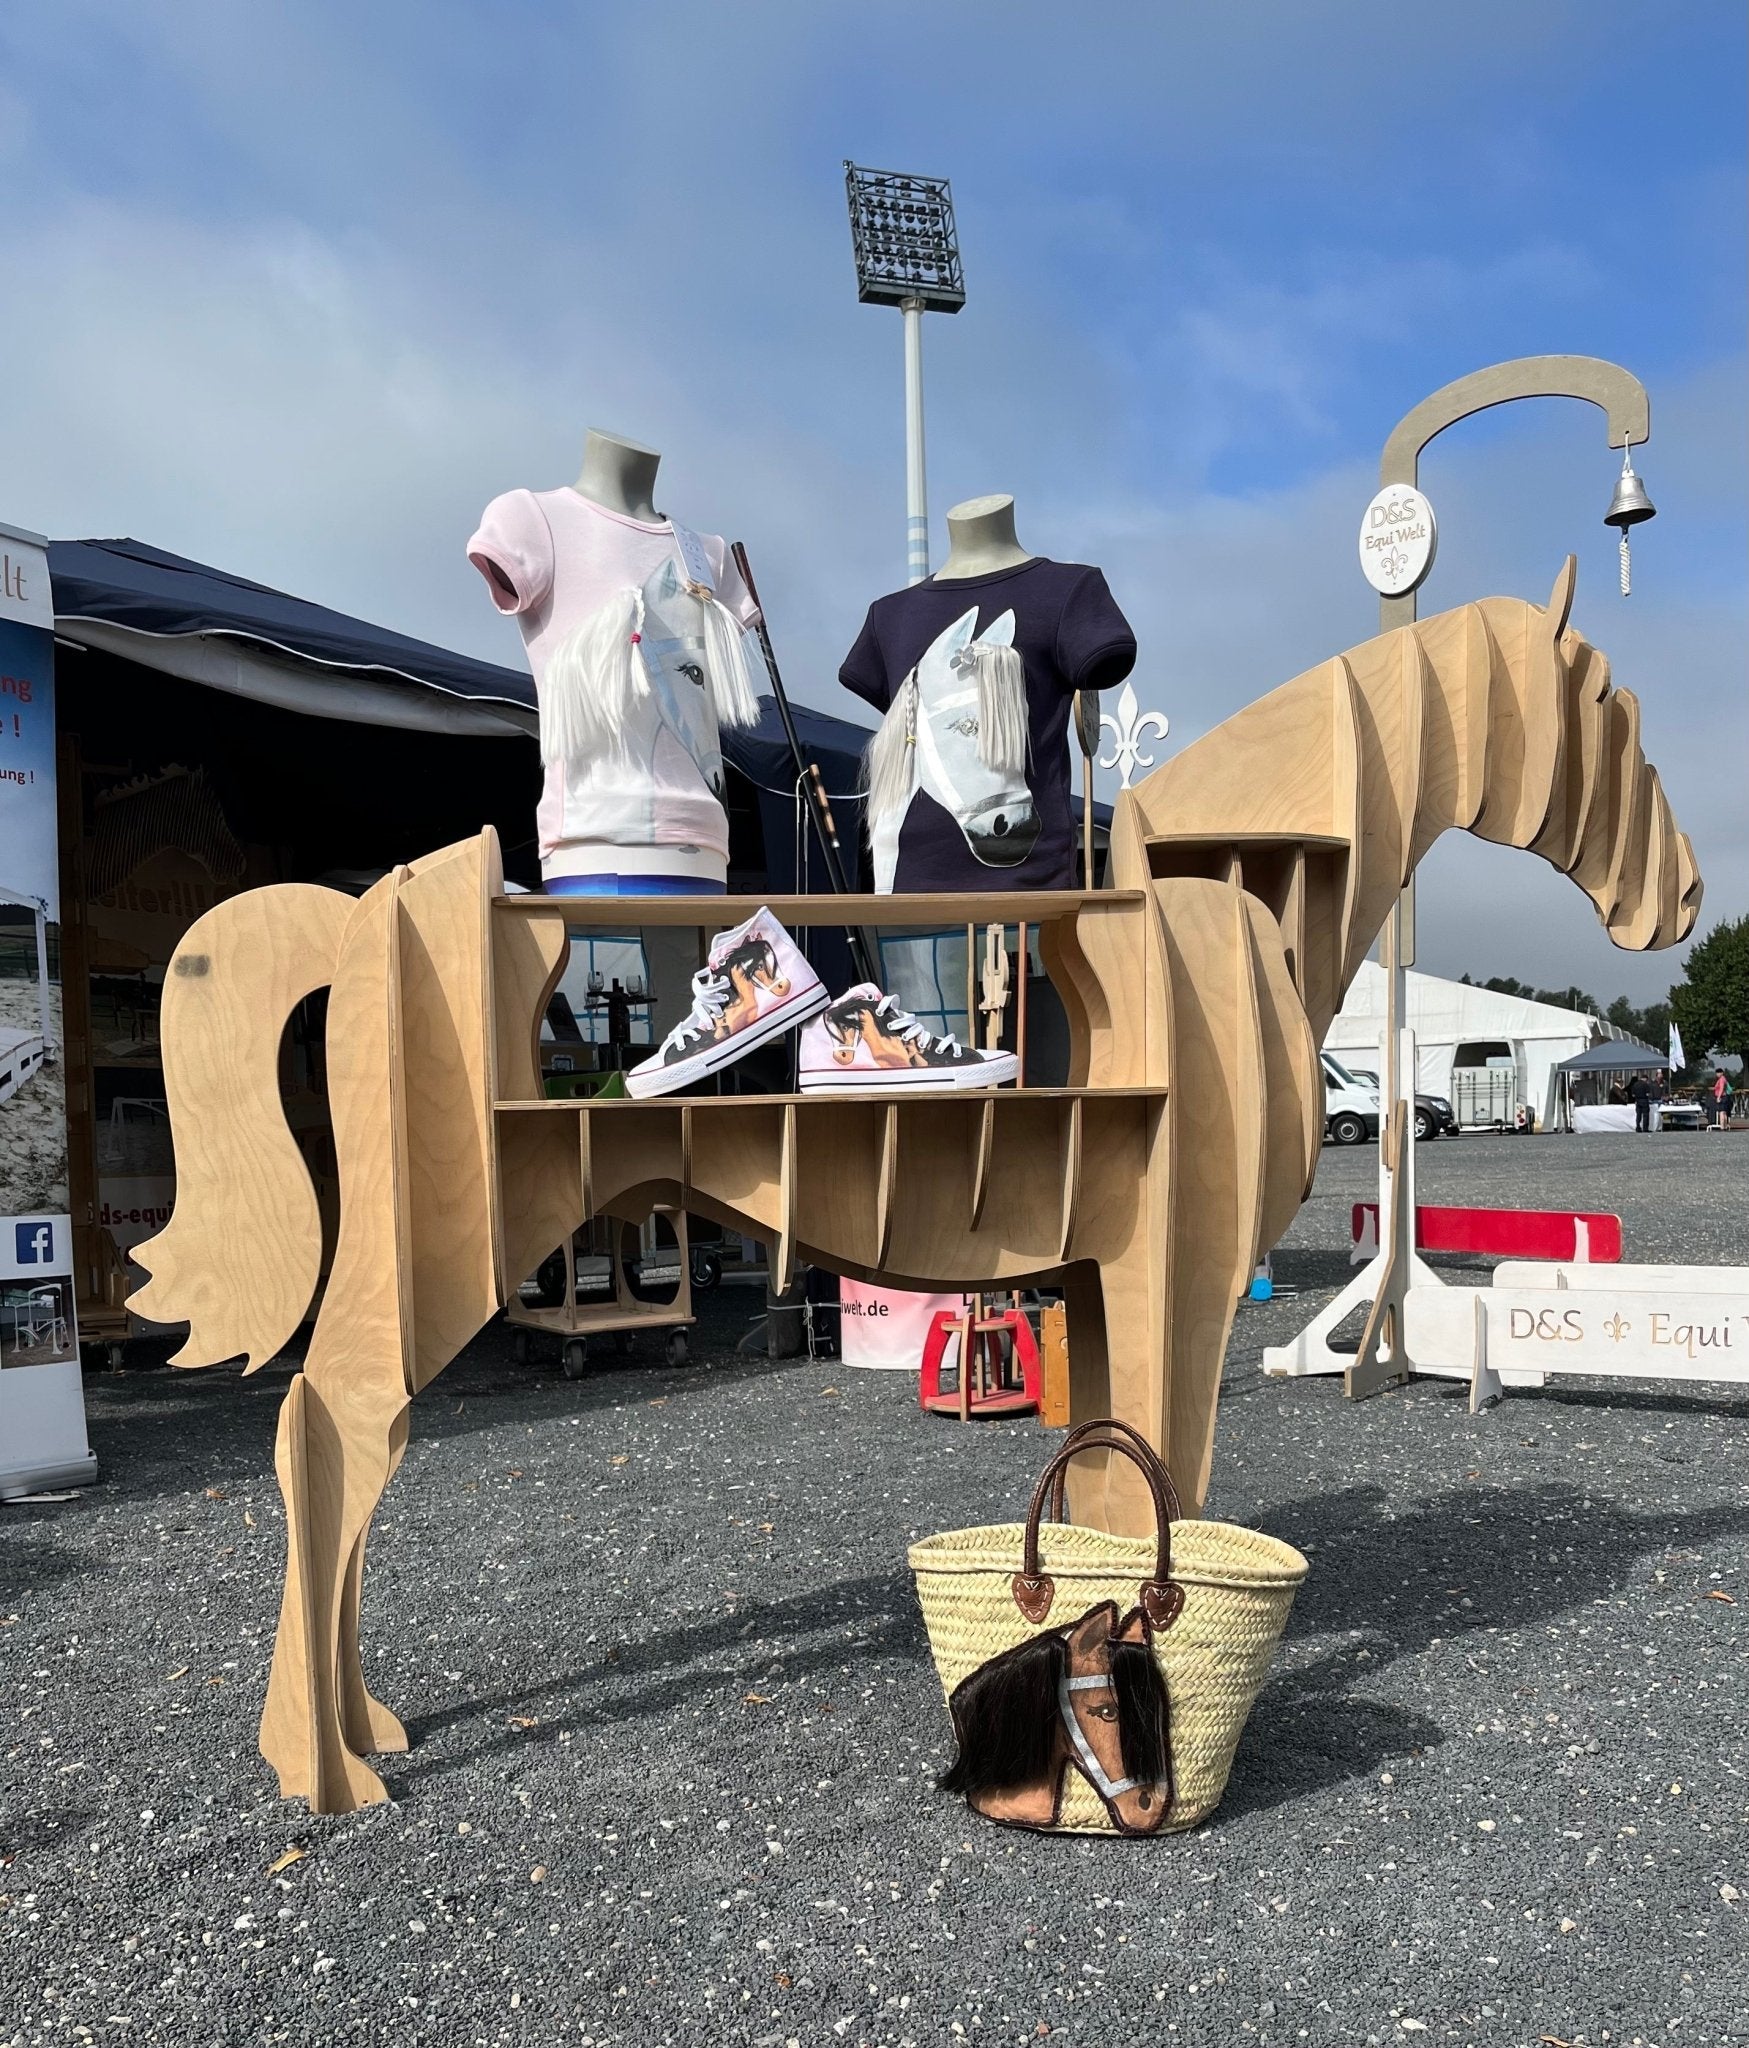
1606 1322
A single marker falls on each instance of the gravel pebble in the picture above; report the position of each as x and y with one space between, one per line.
675 1727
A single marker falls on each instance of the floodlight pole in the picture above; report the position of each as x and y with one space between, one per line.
916 476
1382 1359
907 255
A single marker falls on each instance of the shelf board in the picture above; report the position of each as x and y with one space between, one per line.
1244 838
717 913
876 1095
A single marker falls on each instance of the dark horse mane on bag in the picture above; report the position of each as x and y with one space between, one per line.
1005 1716
1140 1693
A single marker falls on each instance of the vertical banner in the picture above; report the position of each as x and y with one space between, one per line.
42 1405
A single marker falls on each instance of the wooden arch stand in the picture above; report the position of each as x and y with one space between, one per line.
1384 1356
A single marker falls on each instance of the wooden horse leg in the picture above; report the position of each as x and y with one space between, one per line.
1226 1168
369 1726
411 1280
1117 1334
1089 1369
332 1479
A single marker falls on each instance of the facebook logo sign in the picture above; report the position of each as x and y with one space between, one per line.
36 1247
34 1242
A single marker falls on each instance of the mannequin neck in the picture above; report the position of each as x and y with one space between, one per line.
981 539
619 476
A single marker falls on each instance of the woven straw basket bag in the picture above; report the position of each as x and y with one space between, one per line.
1215 1599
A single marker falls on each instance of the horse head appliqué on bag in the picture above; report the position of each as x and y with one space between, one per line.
1087 1697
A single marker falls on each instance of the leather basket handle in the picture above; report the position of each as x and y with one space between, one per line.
1160 1598
1079 1437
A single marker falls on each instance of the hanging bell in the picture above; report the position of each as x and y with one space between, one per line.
1630 504
1627 508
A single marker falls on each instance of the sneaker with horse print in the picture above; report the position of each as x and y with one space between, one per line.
754 987
864 1040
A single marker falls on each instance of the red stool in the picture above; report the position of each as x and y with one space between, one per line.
990 1347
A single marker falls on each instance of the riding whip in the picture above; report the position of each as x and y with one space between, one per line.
864 951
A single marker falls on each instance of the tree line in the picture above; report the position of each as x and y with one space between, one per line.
1709 1005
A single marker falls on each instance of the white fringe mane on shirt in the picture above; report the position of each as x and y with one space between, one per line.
595 676
1002 734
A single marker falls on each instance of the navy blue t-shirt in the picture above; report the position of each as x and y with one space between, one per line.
1070 636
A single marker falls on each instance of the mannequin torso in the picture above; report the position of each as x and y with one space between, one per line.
619 475
926 652
981 539
635 808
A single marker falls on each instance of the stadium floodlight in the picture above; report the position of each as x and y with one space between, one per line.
907 255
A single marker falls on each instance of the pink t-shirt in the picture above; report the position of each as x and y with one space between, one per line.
555 559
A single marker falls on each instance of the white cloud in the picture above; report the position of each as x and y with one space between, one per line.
326 407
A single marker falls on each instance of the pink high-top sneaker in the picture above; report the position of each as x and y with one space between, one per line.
754 987
864 1040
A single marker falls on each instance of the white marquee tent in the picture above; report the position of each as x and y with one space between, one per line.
1451 1017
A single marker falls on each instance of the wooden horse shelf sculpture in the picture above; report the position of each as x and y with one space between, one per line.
1250 876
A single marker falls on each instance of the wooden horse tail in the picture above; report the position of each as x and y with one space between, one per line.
240 1258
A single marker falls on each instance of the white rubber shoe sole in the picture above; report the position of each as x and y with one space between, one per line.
941 1080
643 1082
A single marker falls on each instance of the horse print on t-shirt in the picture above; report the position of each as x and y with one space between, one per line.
956 729
630 705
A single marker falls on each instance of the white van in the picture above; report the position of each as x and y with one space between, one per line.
1351 1109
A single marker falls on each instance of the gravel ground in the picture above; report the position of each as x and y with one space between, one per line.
675 1726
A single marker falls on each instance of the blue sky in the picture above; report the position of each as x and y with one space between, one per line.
297 288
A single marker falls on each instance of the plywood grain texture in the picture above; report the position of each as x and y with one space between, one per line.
1251 876
236 977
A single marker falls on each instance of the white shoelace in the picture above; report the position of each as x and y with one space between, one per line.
710 997
905 1026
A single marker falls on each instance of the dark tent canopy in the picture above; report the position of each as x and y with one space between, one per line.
210 627
123 599
1615 1056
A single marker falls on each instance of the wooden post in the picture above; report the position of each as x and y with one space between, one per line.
1020 1014
1087 732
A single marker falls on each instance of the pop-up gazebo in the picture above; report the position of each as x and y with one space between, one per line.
1616 1056
1592 1070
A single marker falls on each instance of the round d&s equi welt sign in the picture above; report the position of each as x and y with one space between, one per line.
1398 539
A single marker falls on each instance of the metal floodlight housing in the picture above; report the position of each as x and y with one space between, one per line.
903 237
